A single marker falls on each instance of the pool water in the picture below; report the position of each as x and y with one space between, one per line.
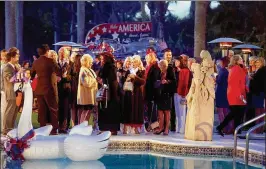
129 161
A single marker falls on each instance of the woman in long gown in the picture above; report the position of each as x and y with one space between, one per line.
110 117
200 101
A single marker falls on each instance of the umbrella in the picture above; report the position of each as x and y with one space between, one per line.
66 43
247 46
223 40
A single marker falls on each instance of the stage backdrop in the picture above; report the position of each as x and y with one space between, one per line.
122 32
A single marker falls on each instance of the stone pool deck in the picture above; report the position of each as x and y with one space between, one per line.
175 144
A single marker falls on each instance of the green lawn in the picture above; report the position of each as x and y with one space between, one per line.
35 122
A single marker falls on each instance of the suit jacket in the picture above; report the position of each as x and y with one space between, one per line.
44 67
8 87
64 85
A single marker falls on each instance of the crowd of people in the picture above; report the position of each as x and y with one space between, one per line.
135 96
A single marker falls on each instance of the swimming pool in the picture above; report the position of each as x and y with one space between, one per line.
131 161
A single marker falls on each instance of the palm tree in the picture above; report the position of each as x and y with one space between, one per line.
81 21
200 27
10 27
19 27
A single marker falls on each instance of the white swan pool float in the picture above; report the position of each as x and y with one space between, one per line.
79 145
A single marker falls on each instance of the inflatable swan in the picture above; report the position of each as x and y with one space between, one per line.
79 145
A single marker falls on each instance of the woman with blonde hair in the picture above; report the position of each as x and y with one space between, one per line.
151 97
64 88
133 108
236 93
87 88
257 90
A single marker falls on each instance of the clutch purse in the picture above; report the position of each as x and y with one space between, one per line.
183 101
128 86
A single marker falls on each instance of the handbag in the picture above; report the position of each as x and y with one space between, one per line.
183 101
19 95
128 86
103 94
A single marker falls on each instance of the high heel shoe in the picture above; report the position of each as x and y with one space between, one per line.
158 132
166 133
220 131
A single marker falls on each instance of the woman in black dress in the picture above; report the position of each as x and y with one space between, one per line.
74 89
109 118
165 87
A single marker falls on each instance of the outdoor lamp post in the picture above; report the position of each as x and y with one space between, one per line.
225 44
246 50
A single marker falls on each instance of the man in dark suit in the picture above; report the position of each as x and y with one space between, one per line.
170 70
46 96
11 109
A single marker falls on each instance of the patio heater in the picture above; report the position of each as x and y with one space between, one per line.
225 44
246 51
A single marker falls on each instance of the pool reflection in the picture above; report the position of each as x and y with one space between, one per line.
127 161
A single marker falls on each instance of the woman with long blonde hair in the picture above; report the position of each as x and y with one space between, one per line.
236 93
133 108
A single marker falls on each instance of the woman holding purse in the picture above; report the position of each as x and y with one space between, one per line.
133 108
87 88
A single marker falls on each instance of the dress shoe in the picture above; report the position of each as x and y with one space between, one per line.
220 131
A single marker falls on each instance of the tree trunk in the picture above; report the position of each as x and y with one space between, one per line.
81 21
152 8
72 23
10 27
200 27
56 26
19 28
2 26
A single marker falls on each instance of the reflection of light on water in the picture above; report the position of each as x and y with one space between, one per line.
123 160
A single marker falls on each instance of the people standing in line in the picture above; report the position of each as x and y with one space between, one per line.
183 86
165 87
87 88
257 90
9 71
133 108
151 96
221 101
109 117
200 100
64 89
236 93
45 93
74 89
168 57
3 97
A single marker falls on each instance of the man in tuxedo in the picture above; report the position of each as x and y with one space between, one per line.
45 93
11 109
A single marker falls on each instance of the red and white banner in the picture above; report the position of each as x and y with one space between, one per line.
120 30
